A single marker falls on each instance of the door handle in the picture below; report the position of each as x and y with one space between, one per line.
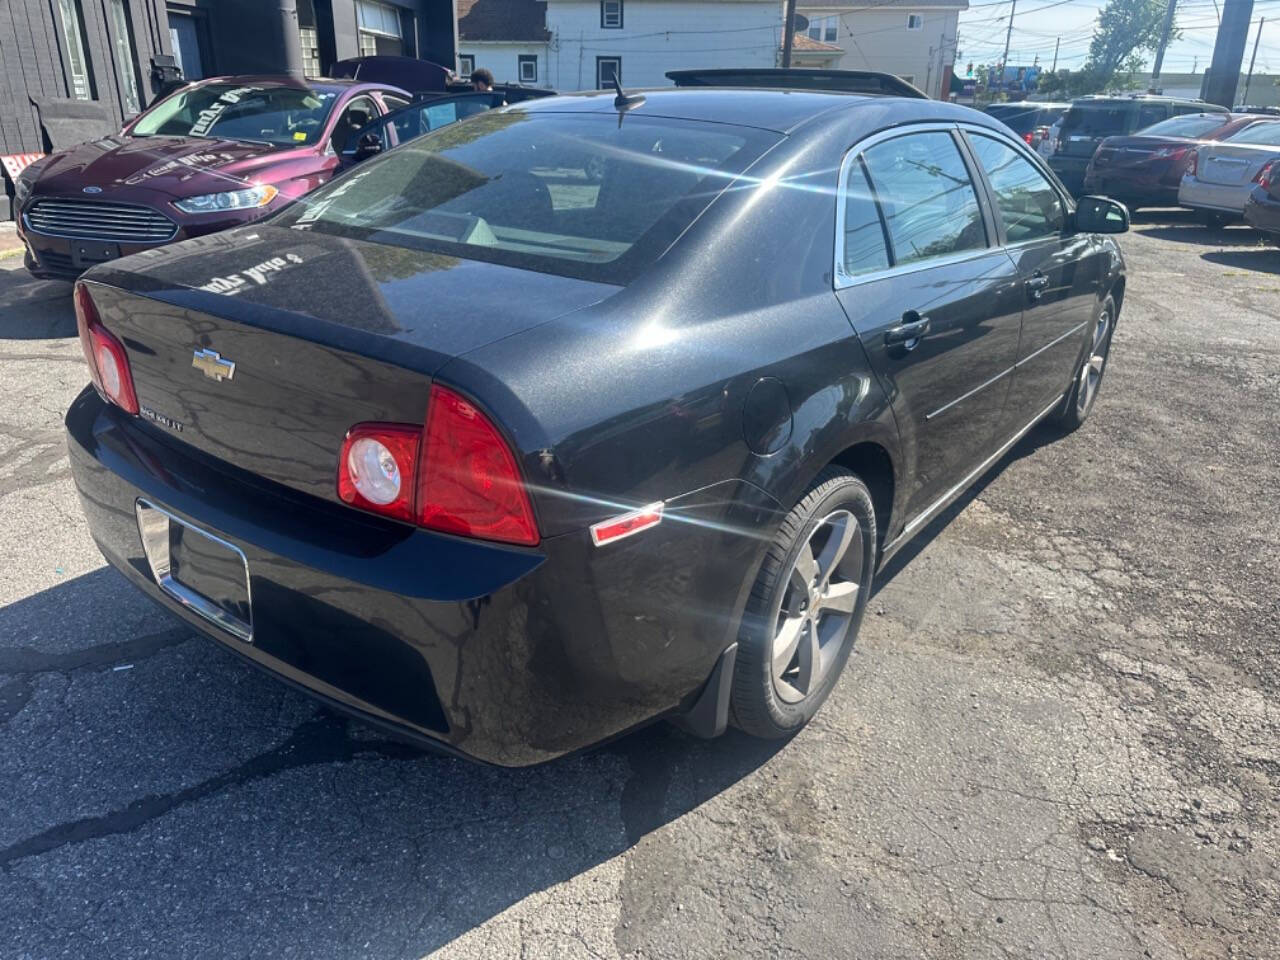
1037 284
912 328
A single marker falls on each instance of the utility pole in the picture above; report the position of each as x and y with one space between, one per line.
1245 97
1164 42
1228 53
1008 35
1056 44
789 29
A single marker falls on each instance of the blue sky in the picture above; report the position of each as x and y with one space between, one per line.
1038 22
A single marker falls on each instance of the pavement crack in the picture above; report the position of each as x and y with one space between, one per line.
322 740
27 661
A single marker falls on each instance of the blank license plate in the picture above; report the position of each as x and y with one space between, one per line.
204 573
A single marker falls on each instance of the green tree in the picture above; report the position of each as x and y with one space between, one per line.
1126 30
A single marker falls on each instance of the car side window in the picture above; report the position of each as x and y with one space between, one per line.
1029 205
928 201
1151 113
864 239
394 101
357 115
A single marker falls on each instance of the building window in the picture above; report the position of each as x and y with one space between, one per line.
607 68
80 79
125 58
824 29
528 69
466 63
611 14
310 38
915 21
379 29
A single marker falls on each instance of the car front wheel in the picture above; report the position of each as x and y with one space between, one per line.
805 607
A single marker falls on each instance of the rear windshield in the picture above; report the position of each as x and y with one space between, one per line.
1097 119
277 115
1191 125
1266 133
596 196
1018 119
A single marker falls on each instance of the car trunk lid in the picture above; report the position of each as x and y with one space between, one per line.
1230 166
261 348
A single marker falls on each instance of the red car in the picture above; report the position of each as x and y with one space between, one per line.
215 154
1145 168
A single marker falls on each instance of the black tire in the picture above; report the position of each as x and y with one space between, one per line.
1214 221
1083 392
773 708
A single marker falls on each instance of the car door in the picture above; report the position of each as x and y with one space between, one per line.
1058 276
935 302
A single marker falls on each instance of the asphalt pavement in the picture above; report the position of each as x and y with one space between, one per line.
1058 738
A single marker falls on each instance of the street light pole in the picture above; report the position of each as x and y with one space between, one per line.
788 29
1228 53
1008 35
1253 59
1164 42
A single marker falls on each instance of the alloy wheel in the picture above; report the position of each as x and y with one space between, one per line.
817 606
1091 371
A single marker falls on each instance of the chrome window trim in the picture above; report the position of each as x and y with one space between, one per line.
841 279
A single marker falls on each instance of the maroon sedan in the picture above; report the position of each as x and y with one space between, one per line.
215 154
1145 168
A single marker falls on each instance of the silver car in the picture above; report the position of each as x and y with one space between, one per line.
1220 175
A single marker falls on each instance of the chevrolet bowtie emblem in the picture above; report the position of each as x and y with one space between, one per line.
211 364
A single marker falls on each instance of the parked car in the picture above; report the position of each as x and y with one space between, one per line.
1220 175
1262 207
214 154
1145 168
1092 119
590 410
1029 120
426 114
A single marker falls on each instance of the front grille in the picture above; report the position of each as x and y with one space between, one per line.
98 220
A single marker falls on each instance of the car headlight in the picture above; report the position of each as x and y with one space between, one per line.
25 182
246 199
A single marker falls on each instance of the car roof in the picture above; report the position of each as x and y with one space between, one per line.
327 84
770 109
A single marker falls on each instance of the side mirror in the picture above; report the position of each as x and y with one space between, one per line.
370 145
1101 215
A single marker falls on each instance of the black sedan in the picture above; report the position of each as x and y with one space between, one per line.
591 410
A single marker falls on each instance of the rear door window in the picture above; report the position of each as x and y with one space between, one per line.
926 196
1028 204
1151 113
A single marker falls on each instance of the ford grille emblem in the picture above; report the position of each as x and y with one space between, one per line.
92 189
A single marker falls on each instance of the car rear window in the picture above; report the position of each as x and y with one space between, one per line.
597 196
1266 133
1018 119
1191 125
261 113
1097 119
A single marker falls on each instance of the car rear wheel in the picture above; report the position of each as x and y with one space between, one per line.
1088 378
1214 221
805 607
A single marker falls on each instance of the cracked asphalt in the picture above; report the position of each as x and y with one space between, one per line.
1058 738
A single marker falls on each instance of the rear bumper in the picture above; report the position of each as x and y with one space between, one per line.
1143 190
1262 212
508 656
1070 171
1215 197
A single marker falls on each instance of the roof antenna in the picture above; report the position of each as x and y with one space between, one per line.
624 100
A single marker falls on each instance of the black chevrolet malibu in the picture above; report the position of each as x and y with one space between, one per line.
587 411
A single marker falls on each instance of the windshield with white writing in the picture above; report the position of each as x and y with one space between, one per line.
260 113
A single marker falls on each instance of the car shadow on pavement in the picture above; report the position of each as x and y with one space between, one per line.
1263 259
1042 435
32 309
230 805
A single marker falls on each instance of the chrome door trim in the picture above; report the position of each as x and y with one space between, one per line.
153 528
928 513
1052 343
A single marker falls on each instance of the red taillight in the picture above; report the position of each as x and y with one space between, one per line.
1029 138
469 482
108 363
1265 175
1192 162
456 474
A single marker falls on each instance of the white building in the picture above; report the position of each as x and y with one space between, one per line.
582 44
915 39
